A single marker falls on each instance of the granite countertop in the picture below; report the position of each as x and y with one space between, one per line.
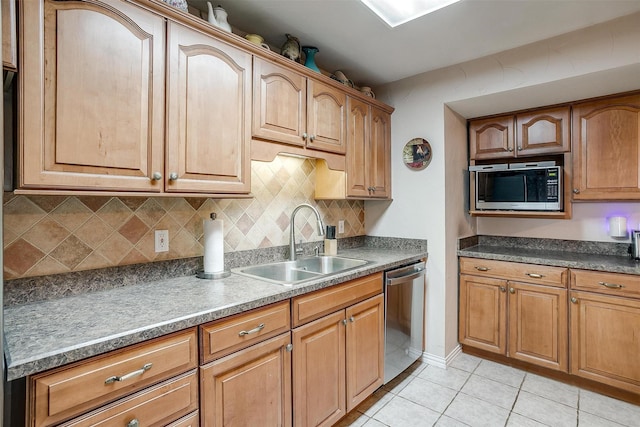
599 256
50 333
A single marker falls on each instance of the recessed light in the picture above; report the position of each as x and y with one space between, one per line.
395 12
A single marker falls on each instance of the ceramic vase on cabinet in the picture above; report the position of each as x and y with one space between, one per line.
310 61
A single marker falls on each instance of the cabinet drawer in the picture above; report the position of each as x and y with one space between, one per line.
191 420
155 406
530 273
70 391
312 306
225 336
607 283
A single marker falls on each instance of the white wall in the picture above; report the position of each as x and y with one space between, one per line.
430 204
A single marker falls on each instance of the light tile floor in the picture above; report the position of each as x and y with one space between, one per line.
477 392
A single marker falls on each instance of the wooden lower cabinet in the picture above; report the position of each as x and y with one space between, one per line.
521 320
537 325
250 387
338 362
605 339
483 313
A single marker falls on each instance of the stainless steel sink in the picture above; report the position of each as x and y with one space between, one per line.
301 270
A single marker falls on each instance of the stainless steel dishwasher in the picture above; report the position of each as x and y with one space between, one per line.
404 290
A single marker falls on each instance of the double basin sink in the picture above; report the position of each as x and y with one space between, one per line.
293 272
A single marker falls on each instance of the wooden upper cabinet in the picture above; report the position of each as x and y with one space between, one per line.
209 110
9 35
279 103
379 154
91 97
543 132
606 144
293 109
326 118
538 132
491 138
358 134
368 151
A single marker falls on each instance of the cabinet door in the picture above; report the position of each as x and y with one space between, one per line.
319 371
543 132
209 110
91 96
9 41
605 339
326 118
365 349
606 140
379 154
538 325
483 313
491 138
251 387
279 103
358 134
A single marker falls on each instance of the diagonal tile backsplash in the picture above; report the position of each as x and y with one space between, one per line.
58 234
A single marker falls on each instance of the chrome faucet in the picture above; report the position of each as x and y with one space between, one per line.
292 241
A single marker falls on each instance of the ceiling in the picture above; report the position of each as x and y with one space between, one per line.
352 39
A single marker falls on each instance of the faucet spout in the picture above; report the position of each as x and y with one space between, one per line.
292 228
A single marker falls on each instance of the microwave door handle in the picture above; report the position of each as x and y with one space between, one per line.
526 195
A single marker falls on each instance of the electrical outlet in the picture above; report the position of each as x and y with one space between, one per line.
162 240
341 226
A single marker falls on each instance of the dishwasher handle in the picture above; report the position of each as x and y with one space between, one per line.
417 272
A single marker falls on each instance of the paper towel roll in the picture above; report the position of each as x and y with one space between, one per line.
213 245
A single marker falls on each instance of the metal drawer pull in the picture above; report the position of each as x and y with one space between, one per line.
534 275
252 331
482 268
125 377
611 285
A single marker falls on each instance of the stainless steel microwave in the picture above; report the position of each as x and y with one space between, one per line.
518 186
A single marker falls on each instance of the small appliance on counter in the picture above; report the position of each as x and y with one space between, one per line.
635 244
330 242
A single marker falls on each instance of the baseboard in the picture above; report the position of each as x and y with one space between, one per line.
441 362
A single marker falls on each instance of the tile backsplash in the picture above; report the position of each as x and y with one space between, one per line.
58 234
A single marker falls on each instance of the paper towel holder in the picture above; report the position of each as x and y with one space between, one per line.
200 274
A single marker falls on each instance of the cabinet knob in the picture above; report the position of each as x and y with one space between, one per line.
156 176
519 148
173 176
576 191
352 319
133 423
344 322
503 289
289 348
574 300
312 137
510 149
512 291
304 136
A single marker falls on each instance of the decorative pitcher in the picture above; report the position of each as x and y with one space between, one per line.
218 17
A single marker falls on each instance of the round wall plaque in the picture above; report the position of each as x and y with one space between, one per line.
417 154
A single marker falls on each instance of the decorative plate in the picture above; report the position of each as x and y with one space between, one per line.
417 154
